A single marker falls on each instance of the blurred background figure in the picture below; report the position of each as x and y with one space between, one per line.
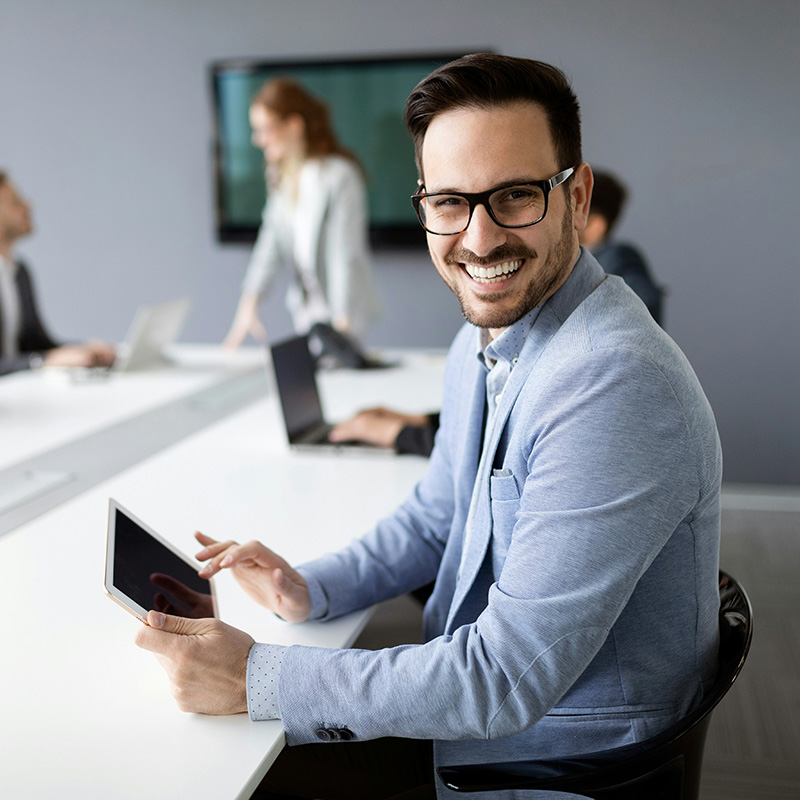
608 200
24 341
384 427
315 220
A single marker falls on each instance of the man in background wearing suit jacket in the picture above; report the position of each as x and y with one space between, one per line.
24 341
609 197
569 516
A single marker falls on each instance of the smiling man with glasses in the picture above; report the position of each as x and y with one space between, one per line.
569 517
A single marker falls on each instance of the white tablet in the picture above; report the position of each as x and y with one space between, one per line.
144 571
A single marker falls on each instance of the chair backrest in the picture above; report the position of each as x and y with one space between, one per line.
665 767
680 748
668 765
736 633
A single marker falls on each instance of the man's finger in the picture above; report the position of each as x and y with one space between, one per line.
203 539
212 550
234 554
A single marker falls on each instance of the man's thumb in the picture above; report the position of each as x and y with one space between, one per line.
155 619
172 624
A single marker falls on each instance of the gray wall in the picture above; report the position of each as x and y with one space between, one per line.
105 125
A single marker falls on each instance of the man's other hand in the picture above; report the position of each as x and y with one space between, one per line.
270 580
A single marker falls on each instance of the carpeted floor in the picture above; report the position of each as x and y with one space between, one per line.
753 746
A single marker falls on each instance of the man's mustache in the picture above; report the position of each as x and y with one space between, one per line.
505 252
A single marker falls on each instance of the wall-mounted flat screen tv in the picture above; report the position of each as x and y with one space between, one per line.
366 98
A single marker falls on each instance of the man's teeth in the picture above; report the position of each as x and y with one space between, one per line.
499 272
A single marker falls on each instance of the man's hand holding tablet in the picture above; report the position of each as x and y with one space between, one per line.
205 660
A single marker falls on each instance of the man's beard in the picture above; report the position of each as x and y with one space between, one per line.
547 277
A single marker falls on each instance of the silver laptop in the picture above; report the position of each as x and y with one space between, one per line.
295 376
153 328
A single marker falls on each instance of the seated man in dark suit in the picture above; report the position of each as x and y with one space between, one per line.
616 258
24 341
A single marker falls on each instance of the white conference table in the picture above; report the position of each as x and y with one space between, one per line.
48 408
60 435
85 713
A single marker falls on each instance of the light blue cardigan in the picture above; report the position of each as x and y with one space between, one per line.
584 615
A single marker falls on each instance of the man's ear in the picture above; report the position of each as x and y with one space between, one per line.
581 195
595 230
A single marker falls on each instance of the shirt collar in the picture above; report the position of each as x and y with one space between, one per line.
508 345
585 277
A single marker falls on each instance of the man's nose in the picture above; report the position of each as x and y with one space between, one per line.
483 234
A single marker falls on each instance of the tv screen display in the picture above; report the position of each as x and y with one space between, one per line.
365 96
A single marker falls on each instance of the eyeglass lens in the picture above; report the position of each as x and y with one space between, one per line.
511 205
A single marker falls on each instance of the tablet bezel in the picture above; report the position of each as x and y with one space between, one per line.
115 593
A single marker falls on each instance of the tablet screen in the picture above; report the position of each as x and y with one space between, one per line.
145 569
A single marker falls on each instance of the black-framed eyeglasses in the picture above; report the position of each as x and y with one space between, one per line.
518 205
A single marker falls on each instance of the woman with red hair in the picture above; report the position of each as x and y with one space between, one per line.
315 219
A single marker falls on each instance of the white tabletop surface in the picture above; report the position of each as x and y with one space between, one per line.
88 715
44 409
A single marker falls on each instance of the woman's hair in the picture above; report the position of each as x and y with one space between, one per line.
485 81
284 98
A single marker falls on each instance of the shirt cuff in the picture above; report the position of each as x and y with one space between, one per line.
263 671
319 600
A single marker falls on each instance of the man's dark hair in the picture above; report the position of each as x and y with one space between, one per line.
3 177
608 199
486 80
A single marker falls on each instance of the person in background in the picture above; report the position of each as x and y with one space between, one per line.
616 258
414 433
24 341
411 434
569 516
315 219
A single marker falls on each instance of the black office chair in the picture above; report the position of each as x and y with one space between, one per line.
666 767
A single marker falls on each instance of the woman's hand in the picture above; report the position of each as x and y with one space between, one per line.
245 322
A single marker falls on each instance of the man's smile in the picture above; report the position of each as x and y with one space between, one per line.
494 274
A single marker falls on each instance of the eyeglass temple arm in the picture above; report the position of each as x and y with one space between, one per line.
557 180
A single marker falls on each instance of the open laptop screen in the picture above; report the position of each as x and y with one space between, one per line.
297 386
